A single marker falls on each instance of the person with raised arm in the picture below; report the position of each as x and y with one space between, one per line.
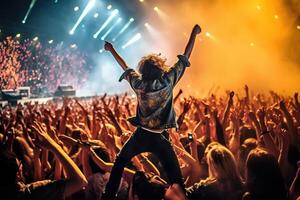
153 84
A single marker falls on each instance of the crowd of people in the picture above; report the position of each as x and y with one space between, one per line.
231 146
41 66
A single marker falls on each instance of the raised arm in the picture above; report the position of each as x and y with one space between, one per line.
109 47
190 45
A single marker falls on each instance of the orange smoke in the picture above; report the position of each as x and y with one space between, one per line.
242 42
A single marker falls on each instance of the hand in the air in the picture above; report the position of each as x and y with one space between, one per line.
108 46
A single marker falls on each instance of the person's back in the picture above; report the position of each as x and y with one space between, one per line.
153 86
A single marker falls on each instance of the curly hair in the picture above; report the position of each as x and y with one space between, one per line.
152 67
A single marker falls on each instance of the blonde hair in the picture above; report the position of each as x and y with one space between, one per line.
222 165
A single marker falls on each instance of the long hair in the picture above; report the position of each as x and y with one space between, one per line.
222 166
263 177
152 67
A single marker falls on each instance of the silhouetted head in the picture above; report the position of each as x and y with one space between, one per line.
152 67
264 179
8 168
147 187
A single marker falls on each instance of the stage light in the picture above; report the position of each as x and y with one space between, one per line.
35 38
111 28
18 35
73 46
50 41
298 27
109 7
109 19
276 16
96 15
56 1
29 10
155 8
210 36
258 7
134 39
101 50
76 8
141 1
146 25
123 29
251 44
88 7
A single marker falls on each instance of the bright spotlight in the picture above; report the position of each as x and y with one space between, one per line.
76 8
134 39
18 35
96 15
111 28
101 51
141 0
109 19
298 27
109 7
73 46
276 16
251 44
123 29
83 14
258 7
29 10
50 41
146 25
35 38
207 34
155 8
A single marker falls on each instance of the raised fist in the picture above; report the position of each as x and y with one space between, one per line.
197 29
108 46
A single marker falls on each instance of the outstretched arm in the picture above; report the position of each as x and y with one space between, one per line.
109 47
190 45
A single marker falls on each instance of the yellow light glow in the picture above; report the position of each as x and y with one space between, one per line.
18 35
298 27
141 0
207 34
276 16
156 8
258 7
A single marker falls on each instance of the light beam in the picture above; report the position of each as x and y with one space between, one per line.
123 29
29 10
83 14
111 28
134 39
112 15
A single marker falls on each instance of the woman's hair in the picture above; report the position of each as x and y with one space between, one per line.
152 67
222 166
263 178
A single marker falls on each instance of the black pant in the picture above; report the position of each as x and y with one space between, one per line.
144 141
